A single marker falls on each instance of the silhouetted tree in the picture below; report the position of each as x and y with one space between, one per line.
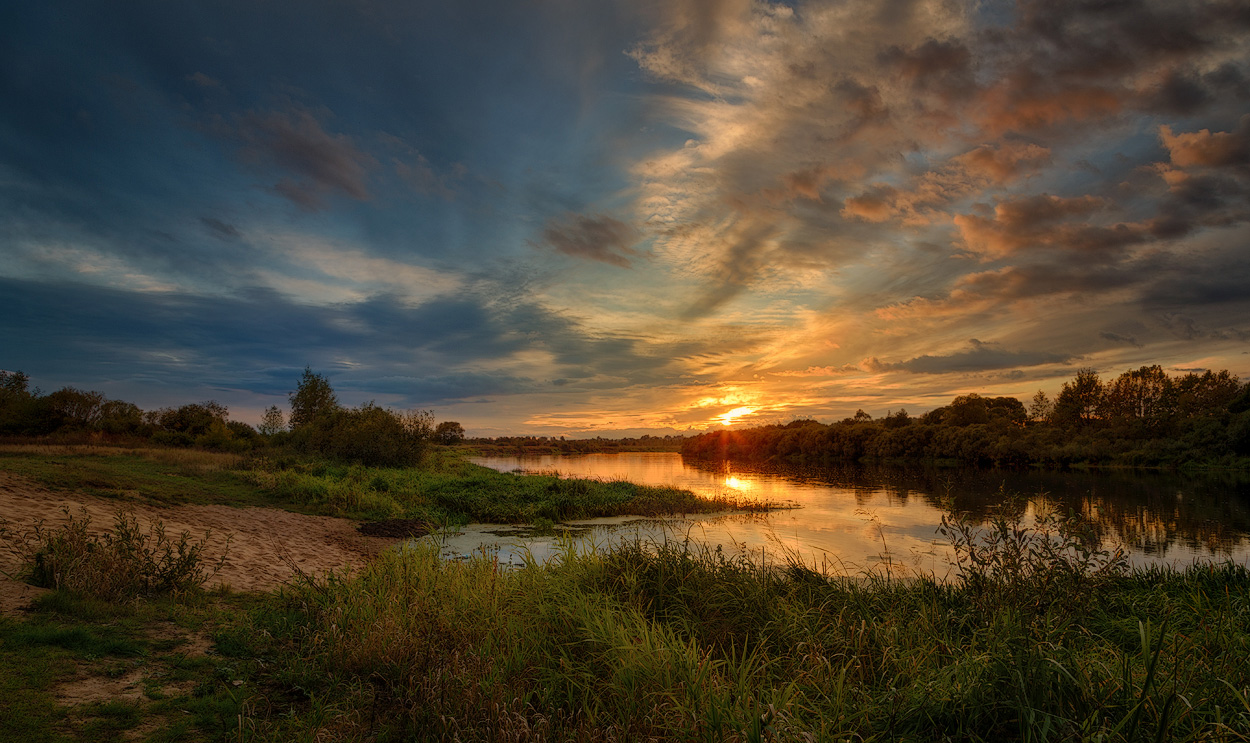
1079 400
1041 407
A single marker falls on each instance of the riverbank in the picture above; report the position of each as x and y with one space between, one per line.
644 642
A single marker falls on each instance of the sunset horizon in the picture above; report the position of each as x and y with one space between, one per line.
617 219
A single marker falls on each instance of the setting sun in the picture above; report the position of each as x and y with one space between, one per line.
729 418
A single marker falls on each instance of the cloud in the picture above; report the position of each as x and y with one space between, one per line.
1205 149
219 229
1117 338
980 358
600 238
1041 221
317 162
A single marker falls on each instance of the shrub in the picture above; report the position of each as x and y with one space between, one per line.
120 564
1058 558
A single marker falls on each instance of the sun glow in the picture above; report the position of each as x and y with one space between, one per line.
728 419
736 484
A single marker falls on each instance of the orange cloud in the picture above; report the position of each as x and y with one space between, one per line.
1022 103
1206 149
1003 162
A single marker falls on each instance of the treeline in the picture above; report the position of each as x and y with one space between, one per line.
536 445
318 425
1141 418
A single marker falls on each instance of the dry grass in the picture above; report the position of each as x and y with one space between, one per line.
197 459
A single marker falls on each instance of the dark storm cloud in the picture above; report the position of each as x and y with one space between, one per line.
599 238
253 342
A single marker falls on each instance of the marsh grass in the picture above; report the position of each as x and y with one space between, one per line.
680 642
449 490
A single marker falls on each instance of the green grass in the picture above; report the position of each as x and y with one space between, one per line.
449 489
666 642
160 476
446 489
1033 640
69 637
676 643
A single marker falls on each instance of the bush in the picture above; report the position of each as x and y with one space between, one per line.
122 564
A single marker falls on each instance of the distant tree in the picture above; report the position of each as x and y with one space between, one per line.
17 404
1006 408
1146 394
373 436
449 432
119 416
897 420
272 422
195 419
967 410
1079 400
1209 393
1040 408
13 383
76 408
312 399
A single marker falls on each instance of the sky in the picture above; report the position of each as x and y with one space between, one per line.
603 217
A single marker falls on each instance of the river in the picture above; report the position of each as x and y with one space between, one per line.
860 518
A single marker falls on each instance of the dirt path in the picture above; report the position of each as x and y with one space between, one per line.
266 547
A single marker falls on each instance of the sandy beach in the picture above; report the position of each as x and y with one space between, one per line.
264 547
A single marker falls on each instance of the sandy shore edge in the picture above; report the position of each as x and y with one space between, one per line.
266 546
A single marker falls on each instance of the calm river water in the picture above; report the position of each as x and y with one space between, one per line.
859 518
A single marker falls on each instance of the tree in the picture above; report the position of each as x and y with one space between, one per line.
272 422
312 399
449 432
1079 400
1146 394
1041 407
967 410
75 407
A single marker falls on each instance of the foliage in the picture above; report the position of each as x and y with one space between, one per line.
1057 559
449 489
370 435
1142 418
312 401
672 642
115 565
272 422
448 433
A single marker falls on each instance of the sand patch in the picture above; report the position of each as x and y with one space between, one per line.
266 546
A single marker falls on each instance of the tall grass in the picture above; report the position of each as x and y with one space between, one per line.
673 641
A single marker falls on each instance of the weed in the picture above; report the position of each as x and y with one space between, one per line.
116 565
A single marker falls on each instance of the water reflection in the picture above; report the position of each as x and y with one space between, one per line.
872 517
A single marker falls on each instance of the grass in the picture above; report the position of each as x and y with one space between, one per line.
71 639
452 490
447 489
154 475
1038 637
663 642
678 643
